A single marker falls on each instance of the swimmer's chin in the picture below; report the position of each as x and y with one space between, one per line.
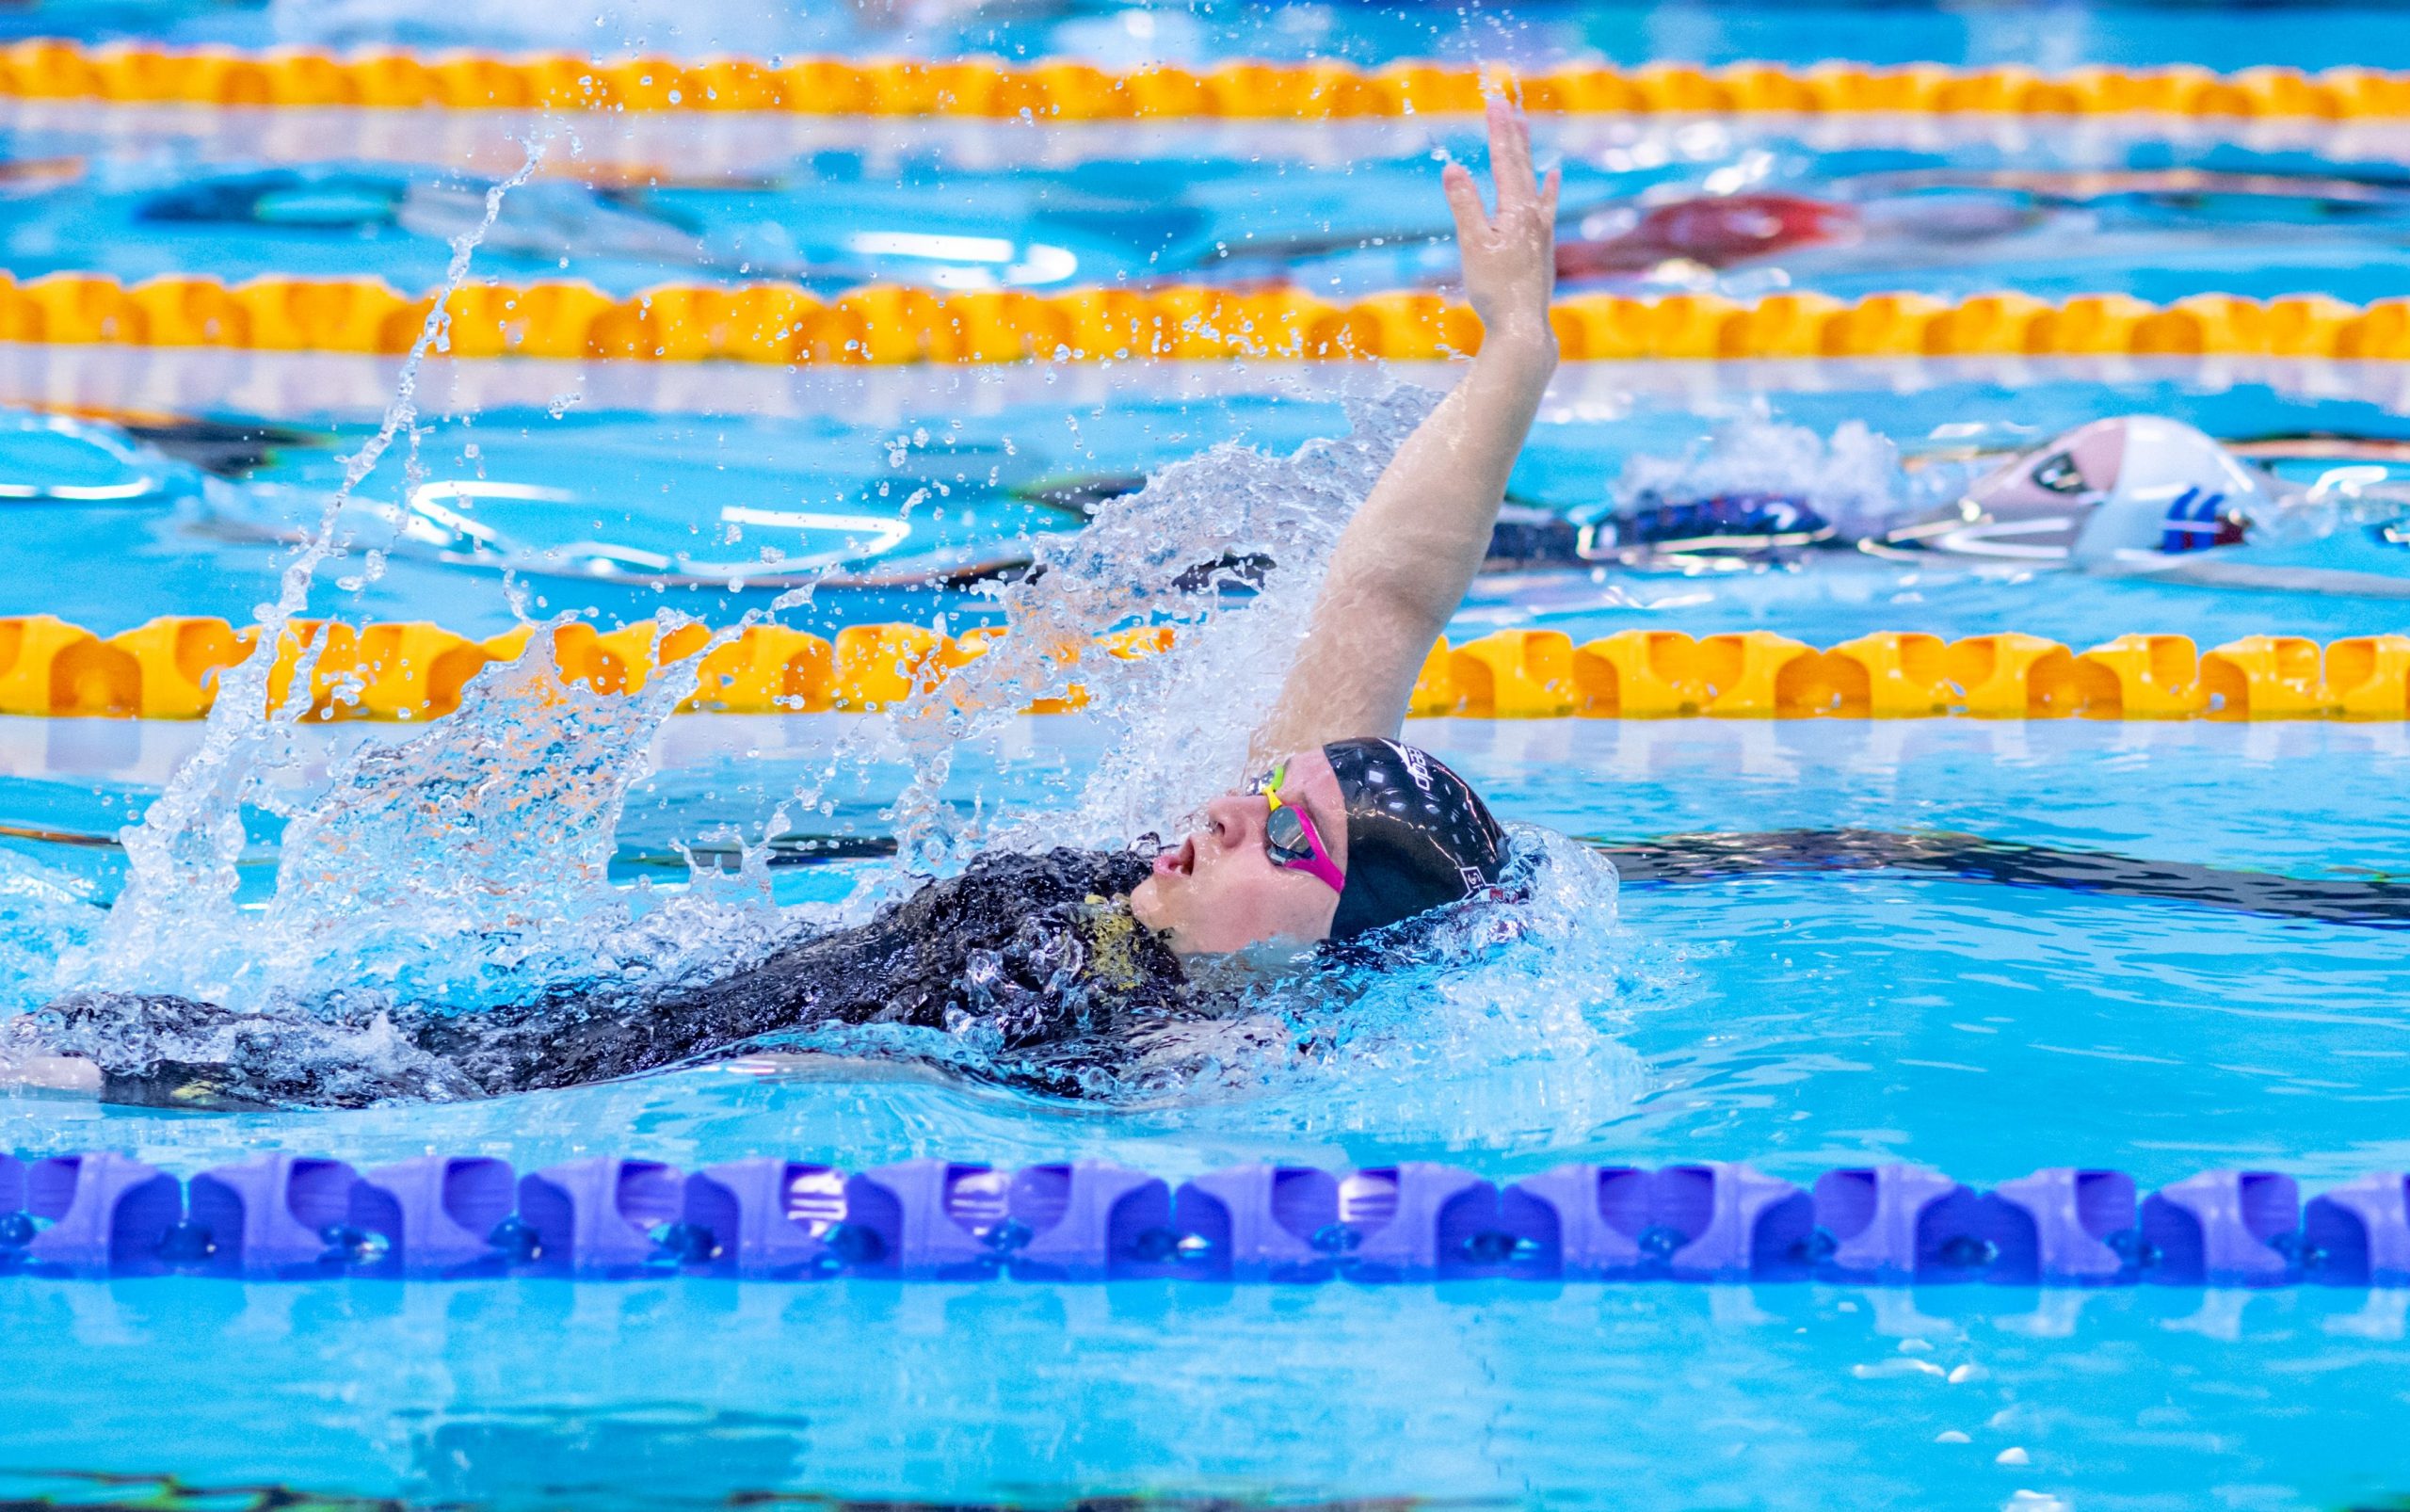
1152 905
1149 906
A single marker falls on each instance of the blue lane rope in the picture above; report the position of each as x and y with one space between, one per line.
298 1217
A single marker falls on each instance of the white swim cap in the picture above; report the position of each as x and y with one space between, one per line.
2175 489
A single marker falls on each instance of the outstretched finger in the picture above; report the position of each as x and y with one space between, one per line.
1510 155
1464 198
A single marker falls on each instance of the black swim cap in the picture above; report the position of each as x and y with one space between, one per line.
1418 835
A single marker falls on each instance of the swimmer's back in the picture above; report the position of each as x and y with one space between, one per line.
1017 951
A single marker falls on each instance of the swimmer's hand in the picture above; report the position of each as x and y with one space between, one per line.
1401 565
1509 254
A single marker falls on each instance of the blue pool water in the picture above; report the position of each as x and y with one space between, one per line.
1802 1022
962 459
1785 1398
1985 1016
1951 207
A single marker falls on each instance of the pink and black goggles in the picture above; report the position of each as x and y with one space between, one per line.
1290 837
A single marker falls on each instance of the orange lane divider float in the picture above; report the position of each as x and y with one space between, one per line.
890 325
1068 89
169 668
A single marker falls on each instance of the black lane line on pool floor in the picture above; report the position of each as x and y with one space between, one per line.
1671 860
1676 861
1681 859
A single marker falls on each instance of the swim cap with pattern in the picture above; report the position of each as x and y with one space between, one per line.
1418 835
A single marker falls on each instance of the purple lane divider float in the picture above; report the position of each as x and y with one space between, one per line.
1689 1223
1411 1222
280 1217
2359 1234
435 1215
2222 1228
2061 1227
1737 1224
1595 1223
768 1218
931 1220
1260 1224
1894 1224
1088 1221
104 1213
598 1216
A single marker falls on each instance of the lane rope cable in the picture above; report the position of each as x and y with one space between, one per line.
298 1218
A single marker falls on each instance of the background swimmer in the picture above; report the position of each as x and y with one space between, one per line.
1062 961
2133 496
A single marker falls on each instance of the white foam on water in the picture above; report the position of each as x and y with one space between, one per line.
1853 478
1497 1030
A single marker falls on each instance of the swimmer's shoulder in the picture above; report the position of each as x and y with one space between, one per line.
998 882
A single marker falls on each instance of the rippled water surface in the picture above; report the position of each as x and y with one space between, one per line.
1985 947
545 1395
2004 1003
1797 1021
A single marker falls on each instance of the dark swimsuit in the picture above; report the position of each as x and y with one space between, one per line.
1023 959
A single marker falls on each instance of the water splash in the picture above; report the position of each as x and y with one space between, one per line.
1226 550
1853 478
467 864
494 828
1500 1030
43 914
176 925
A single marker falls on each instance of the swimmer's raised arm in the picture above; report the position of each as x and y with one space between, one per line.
1403 562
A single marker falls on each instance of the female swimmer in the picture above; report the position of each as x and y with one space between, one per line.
1059 959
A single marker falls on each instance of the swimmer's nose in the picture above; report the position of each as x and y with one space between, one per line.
1230 821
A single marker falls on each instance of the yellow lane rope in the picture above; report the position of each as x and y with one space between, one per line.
167 669
890 324
1070 89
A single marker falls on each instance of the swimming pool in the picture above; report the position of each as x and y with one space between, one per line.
971 465
1977 946
1809 1021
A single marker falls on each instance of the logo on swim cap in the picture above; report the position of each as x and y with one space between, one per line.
1417 836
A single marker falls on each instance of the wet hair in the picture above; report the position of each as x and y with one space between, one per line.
1418 835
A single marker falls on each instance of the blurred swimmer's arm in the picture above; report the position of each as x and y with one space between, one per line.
1402 564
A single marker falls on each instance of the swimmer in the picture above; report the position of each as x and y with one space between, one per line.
2134 495
2112 494
1047 968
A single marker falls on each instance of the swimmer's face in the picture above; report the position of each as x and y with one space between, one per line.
1219 890
2074 469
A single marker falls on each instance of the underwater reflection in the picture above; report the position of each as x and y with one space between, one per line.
616 1459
